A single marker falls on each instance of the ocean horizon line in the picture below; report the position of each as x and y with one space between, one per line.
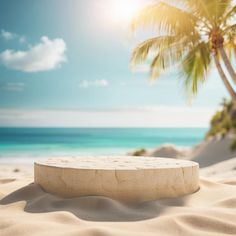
104 127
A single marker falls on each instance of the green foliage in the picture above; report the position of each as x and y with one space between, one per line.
233 145
139 152
224 122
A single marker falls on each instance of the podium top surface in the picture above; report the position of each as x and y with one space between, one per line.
116 163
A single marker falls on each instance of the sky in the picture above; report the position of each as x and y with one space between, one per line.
71 59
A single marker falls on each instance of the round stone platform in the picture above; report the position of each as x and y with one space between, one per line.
122 178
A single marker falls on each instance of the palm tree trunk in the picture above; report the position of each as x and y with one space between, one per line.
228 64
224 79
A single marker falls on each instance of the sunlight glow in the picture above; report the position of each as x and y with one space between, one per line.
122 11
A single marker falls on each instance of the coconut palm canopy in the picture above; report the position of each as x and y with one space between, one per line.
190 34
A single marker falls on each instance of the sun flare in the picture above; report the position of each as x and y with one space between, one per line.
122 11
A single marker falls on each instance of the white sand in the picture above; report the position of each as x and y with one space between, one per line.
169 150
27 210
208 152
213 151
222 172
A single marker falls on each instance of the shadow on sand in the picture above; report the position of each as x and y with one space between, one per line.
90 208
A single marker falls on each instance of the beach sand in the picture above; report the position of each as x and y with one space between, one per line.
25 209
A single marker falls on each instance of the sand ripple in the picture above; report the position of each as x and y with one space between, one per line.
31 211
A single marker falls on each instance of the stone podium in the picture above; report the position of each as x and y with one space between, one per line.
126 178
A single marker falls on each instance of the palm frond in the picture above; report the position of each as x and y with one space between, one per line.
164 60
165 18
195 66
169 56
230 40
230 44
168 50
201 8
220 7
141 52
230 29
230 13
210 11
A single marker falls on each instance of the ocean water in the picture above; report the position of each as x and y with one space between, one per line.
24 143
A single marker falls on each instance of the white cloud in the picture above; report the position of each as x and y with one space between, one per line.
142 117
7 35
93 83
18 87
46 55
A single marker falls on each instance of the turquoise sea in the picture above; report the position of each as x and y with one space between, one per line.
24 143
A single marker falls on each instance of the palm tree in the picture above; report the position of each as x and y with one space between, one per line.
191 35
